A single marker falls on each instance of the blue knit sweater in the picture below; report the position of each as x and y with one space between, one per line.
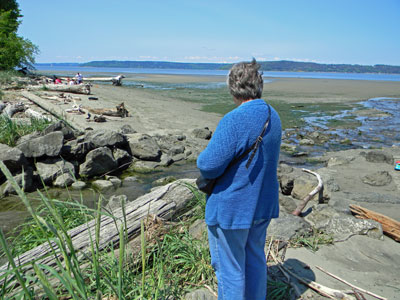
241 197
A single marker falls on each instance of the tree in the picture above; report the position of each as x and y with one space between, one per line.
15 51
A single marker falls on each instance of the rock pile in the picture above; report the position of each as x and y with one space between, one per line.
60 156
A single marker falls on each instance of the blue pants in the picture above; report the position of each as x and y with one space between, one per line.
238 259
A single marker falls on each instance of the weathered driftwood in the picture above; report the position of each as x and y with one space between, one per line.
163 202
303 204
75 89
117 80
12 109
390 226
118 111
351 285
35 114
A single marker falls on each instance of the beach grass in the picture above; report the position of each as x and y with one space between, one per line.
11 130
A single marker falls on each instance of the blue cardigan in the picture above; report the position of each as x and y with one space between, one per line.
242 197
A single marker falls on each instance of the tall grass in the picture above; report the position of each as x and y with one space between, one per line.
11 131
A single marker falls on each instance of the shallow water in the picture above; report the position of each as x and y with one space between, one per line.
349 128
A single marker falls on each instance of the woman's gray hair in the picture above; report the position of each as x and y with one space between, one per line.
245 81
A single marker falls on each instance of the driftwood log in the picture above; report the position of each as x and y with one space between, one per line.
317 189
117 80
11 109
35 114
390 226
118 111
75 89
164 202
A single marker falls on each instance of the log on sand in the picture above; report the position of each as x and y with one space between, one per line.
11 109
75 89
164 202
390 226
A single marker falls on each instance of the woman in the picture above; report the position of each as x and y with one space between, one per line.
244 200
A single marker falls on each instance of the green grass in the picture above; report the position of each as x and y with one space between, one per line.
11 131
6 77
313 240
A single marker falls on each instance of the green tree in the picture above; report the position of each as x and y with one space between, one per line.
15 51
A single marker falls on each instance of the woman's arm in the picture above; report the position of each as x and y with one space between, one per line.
220 151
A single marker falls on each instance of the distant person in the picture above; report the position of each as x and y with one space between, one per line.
246 195
79 78
58 81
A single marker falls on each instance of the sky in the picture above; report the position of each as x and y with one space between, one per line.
363 32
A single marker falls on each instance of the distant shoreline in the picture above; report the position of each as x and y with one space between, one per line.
91 71
267 66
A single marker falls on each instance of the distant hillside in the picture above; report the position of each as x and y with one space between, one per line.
283 65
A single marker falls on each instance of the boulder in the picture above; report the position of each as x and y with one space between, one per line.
122 157
200 294
287 203
67 131
175 150
27 176
102 138
76 149
98 162
144 147
338 161
286 183
144 167
342 225
115 181
13 158
51 168
287 227
130 180
377 156
127 129
202 133
49 145
78 185
102 185
379 178
64 180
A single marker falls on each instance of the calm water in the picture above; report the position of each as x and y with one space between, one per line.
88 71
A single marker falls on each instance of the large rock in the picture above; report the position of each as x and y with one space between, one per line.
342 225
76 149
101 138
102 185
13 158
67 131
376 156
51 168
286 183
202 133
64 180
26 184
122 157
144 147
200 294
287 227
379 178
49 145
98 162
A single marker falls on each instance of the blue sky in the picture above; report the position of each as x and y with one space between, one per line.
336 31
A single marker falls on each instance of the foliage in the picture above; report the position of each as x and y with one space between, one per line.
15 51
11 131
